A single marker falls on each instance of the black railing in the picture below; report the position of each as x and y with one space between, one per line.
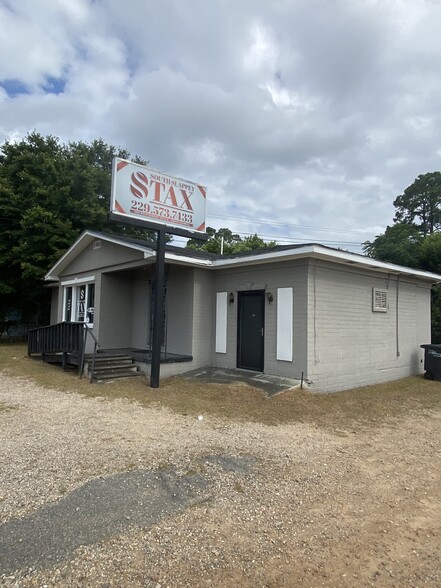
65 339
95 349
59 338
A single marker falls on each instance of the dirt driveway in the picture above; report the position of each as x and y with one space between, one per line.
99 492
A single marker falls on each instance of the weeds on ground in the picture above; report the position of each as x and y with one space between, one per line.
367 406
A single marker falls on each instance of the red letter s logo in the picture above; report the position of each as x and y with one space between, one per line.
140 187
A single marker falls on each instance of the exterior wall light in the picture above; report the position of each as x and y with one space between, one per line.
269 297
231 298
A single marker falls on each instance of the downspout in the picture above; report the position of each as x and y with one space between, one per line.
315 310
397 317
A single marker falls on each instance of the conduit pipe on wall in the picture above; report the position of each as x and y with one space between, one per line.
315 310
397 317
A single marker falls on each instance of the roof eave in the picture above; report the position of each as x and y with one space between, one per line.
81 244
311 251
332 255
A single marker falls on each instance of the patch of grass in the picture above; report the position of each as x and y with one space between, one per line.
344 410
14 359
367 406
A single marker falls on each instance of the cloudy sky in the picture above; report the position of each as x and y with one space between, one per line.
304 118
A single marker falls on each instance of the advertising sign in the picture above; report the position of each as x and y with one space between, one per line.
146 194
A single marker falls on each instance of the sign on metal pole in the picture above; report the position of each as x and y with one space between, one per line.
140 192
142 196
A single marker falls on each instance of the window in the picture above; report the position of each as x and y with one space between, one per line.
379 300
79 303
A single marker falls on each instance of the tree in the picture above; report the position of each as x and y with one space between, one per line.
232 242
414 240
399 244
252 243
420 203
49 194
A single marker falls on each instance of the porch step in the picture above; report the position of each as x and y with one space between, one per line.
111 367
112 375
109 361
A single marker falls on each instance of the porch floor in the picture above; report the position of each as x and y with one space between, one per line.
143 355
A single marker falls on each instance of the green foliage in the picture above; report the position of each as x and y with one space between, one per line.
253 242
430 253
420 203
431 261
49 194
414 240
400 244
232 242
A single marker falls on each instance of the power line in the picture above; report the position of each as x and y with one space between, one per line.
279 224
290 241
286 240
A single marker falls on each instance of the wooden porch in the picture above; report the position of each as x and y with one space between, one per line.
144 355
65 344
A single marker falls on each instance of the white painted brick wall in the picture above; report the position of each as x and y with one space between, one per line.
267 277
348 344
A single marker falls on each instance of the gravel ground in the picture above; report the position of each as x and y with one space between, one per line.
256 505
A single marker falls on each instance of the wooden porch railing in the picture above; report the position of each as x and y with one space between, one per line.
65 338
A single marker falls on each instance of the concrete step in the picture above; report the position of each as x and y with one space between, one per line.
116 375
110 367
111 371
103 365
111 358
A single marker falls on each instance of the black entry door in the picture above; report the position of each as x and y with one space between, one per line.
251 309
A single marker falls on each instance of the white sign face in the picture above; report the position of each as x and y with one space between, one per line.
145 194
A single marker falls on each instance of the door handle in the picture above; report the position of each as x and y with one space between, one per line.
261 331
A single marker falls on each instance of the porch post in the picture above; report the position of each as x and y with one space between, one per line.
158 309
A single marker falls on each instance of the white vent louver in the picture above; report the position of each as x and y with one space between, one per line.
379 300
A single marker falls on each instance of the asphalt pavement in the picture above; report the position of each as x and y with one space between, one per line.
102 508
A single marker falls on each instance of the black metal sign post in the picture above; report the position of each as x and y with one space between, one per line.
161 232
158 324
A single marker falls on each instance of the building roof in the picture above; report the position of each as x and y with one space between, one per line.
196 258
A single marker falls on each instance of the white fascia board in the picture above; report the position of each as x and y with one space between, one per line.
318 252
174 257
287 254
370 263
148 251
80 245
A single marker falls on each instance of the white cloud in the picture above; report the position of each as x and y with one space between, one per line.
261 53
300 114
